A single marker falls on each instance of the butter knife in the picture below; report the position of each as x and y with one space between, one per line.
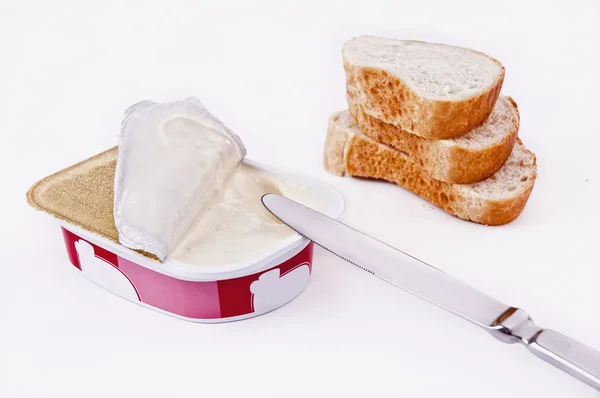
505 323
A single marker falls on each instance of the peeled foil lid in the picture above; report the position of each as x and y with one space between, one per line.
172 160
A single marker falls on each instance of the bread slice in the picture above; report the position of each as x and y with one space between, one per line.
471 158
431 90
496 200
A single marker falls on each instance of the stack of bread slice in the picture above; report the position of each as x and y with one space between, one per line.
431 118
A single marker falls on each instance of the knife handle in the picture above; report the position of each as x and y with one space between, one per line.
568 355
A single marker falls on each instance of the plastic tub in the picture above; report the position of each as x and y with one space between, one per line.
79 198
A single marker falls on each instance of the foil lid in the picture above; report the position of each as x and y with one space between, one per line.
172 160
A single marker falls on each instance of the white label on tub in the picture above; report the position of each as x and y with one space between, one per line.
103 273
272 290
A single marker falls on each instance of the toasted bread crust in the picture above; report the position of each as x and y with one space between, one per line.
503 212
335 145
389 99
361 156
450 163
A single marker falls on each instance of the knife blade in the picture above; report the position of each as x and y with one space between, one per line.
505 323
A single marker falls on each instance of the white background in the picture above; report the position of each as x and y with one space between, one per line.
272 71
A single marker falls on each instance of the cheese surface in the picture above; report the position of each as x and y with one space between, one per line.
236 227
173 159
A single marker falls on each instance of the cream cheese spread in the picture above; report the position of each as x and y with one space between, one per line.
236 227
173 159
183 192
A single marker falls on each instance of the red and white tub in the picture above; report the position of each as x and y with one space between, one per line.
80 198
